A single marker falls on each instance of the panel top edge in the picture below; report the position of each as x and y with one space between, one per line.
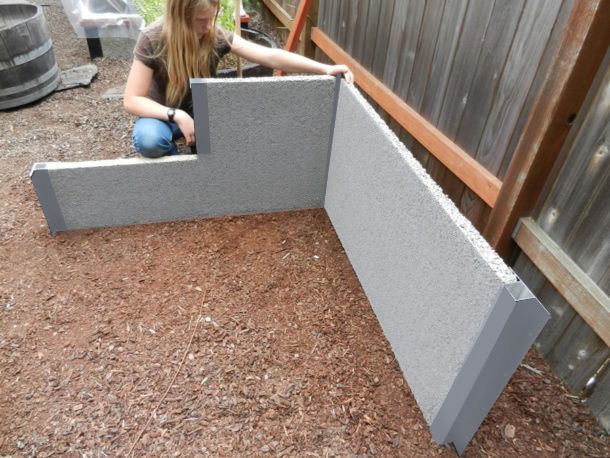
263 79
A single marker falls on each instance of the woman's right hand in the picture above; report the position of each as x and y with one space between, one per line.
186 125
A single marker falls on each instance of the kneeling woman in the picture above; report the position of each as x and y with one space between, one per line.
187 43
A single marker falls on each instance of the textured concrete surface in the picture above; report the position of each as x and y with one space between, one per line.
428 274
269 151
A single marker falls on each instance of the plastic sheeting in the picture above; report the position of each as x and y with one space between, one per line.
103 18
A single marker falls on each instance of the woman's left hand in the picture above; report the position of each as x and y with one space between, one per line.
336 69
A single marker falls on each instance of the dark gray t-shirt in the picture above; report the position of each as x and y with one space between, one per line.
147 48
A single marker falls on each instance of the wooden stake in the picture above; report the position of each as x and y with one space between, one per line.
238 33
297 28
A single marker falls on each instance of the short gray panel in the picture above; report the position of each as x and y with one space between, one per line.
268 152
429 276
332 124
511 328
46 196
201 111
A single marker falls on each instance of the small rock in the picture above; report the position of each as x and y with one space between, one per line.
509 431
20 445
77 407
265 448
77 76
114 93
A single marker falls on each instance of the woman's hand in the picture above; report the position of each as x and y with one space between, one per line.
186 125
336 69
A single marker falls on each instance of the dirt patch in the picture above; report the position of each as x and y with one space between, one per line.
226 337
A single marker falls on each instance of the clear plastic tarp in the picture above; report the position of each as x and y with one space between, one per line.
103 18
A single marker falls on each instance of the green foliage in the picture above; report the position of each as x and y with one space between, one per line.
226 19
150 10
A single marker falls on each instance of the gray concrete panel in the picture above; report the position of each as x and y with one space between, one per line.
332 123
268 142
513 324
428 274
48 200
201 113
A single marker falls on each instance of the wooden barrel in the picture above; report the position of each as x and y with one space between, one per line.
28 70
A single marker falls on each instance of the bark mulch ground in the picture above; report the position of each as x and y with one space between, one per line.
242 336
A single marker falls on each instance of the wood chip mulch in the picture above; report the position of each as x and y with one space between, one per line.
242 336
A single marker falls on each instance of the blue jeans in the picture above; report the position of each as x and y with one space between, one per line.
155 138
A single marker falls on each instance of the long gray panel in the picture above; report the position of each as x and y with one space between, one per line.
268 152
429 276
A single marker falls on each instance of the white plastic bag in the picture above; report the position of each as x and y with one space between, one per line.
103 18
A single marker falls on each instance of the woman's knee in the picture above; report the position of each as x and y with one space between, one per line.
153 138
153 149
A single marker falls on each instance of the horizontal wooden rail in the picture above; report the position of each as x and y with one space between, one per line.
279 12
482 182
576 287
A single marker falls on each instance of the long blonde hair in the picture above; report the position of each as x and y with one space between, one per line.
186 55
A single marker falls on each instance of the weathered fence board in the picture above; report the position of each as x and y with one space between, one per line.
383 35
576 215
446 44
402 49
528 46
395 43
479 99
472 37
456 63
424 57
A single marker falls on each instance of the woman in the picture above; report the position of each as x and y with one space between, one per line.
186 43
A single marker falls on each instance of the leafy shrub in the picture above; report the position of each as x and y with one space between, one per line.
151 10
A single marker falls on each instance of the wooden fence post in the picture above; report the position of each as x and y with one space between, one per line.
581 50
297 27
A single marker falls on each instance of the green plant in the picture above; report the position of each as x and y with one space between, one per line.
226 17
150 10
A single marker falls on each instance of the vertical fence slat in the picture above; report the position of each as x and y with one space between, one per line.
352 21
451 25
363 12
371 33
461 76
533 34
382 40
479 97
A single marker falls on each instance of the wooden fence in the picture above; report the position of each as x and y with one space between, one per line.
471 68
575 216
470 81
